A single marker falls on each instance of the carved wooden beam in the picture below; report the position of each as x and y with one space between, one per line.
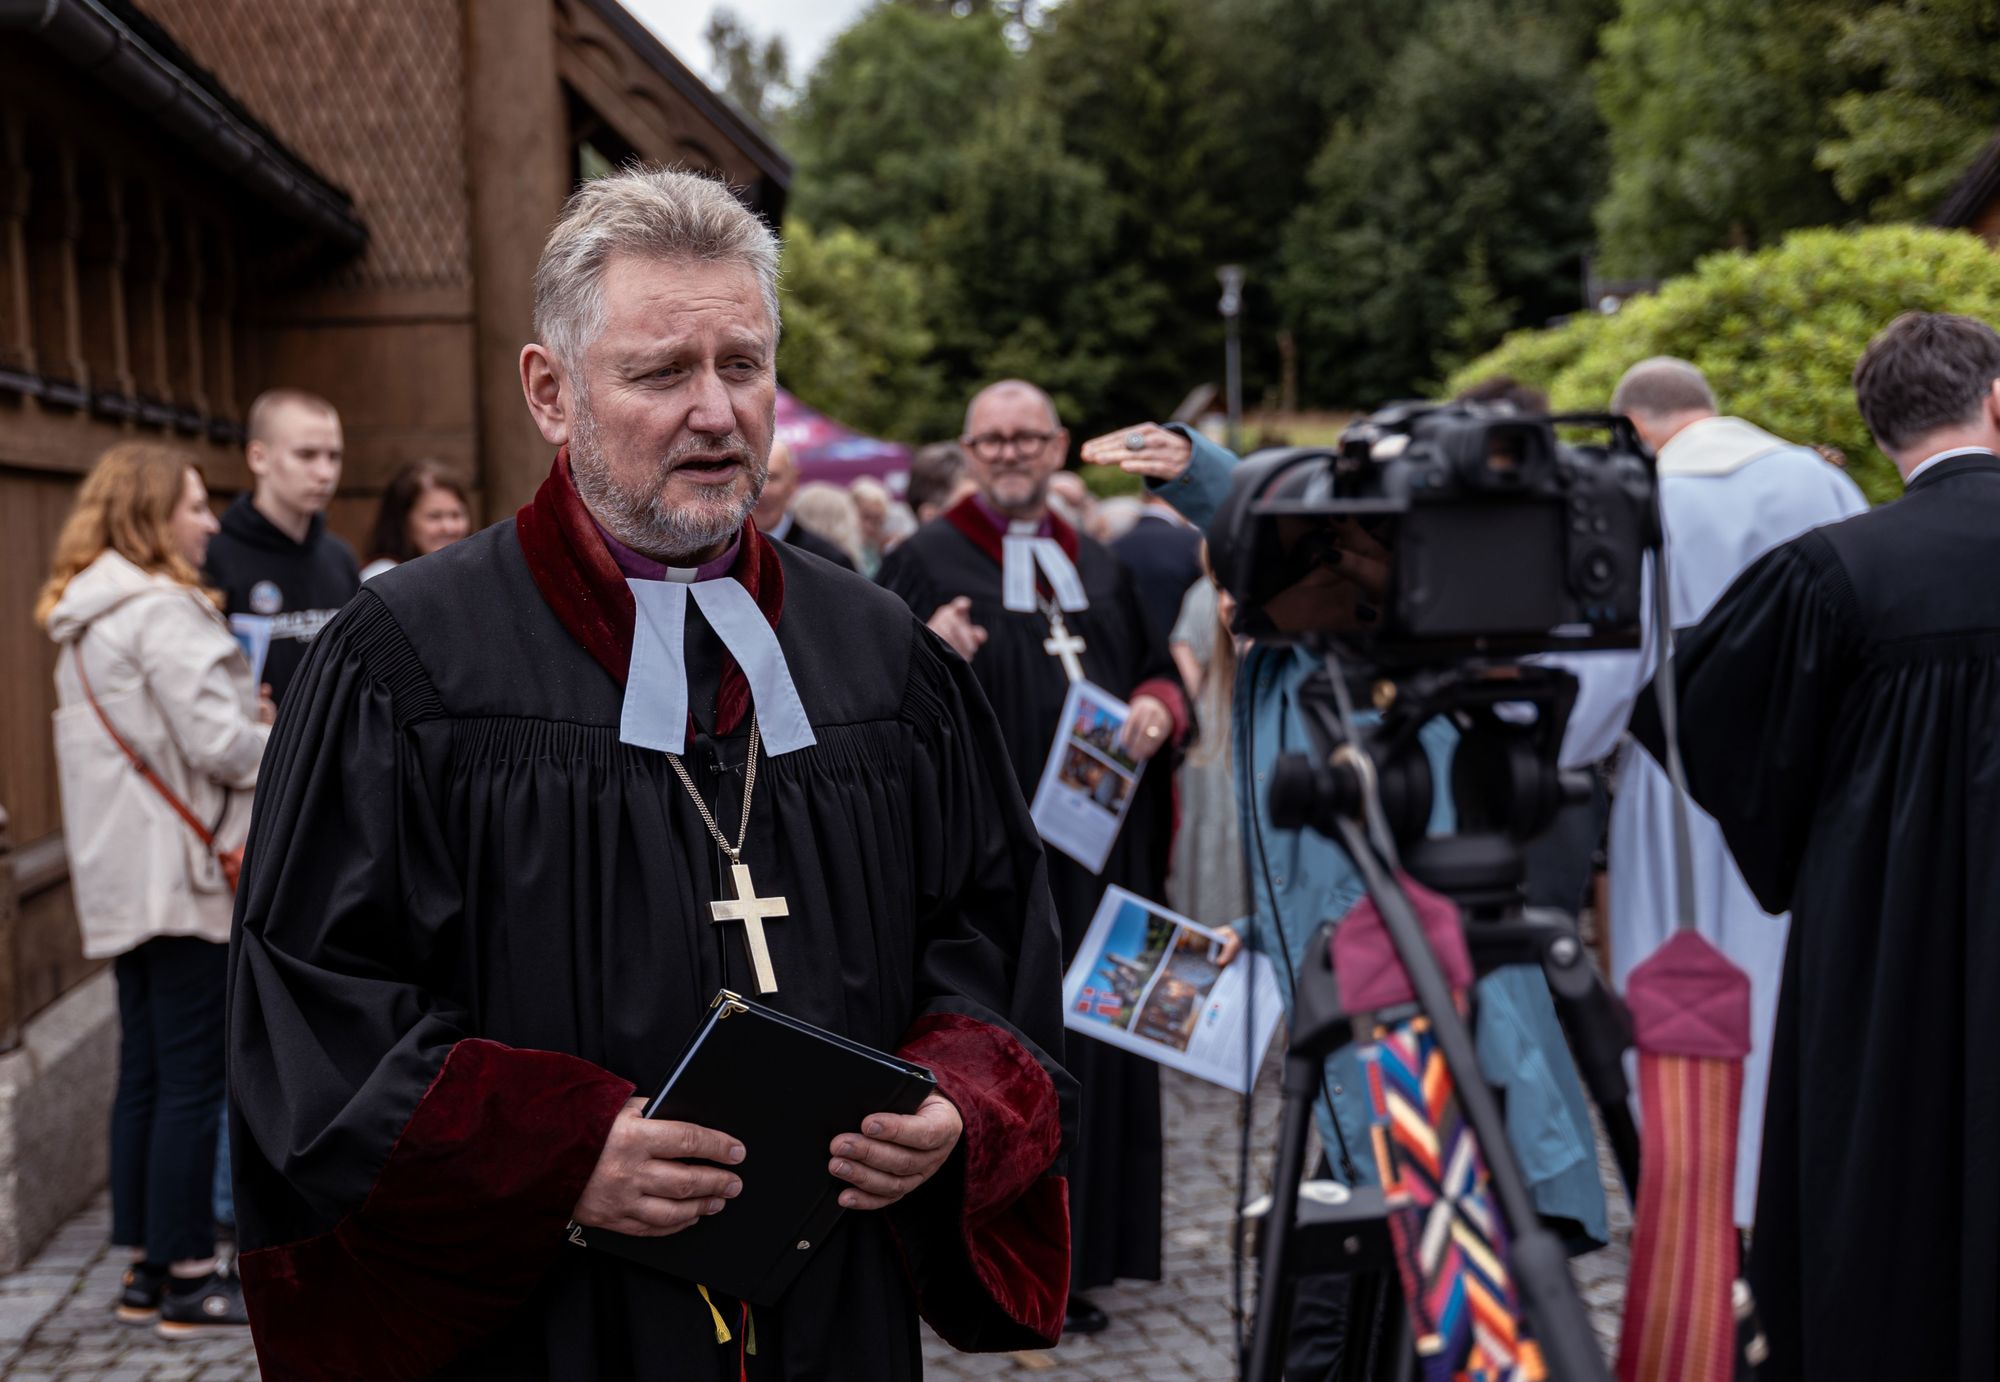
53 223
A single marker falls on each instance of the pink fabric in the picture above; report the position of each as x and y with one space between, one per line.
1365 963
1687 999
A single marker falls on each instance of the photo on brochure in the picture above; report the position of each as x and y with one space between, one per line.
1149 980
1087 783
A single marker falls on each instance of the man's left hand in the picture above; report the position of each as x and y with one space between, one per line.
895 1153
1147 728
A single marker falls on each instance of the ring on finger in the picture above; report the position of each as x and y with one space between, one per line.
1135 441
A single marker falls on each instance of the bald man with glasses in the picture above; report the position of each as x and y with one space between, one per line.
1034 606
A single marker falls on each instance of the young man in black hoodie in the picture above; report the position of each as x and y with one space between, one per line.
274 556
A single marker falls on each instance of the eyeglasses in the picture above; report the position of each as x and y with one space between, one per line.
991 446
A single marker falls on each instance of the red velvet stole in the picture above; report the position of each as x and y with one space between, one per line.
978 529
587 591
972 521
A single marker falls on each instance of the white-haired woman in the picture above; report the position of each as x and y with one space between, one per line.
831 512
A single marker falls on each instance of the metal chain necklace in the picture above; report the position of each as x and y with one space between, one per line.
734 851
744 906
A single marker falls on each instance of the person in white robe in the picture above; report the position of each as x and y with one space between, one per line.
1729 492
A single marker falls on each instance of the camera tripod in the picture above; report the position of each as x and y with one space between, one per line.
1506 788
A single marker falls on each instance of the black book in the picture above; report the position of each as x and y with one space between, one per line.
784 1089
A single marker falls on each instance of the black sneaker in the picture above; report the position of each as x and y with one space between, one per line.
139 1293
193 1308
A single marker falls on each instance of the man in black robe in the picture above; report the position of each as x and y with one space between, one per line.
1840 713
953 573
477 916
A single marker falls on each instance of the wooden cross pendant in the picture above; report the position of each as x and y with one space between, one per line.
751 910
1065 645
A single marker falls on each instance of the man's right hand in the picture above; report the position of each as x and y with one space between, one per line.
645 1184
953 623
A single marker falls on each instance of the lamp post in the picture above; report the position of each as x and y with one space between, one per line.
1231 307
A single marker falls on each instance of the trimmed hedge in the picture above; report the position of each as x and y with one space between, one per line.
1776 331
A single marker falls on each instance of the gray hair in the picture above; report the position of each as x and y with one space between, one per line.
655 213
1661 386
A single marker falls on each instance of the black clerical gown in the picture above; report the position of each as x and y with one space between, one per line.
1115 1174
1840 713
806 540
474 921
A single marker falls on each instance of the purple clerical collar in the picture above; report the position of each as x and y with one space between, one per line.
1003 524
640 567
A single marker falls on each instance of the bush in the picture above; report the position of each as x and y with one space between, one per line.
1777 331
1534 357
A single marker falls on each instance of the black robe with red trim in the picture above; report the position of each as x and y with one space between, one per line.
1116 1174
473 922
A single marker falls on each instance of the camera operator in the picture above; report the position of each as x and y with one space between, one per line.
1299 879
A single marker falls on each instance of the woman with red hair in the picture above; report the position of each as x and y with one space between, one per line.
149 677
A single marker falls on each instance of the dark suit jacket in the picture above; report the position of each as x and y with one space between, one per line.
806 540
1165 558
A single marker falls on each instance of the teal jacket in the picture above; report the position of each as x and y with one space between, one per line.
1299 879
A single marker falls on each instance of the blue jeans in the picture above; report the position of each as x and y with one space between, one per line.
169 1100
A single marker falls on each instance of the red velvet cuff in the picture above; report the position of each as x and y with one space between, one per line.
1169 694
462 1224
1001 1280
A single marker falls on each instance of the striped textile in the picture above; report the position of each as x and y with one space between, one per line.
1691 1022
1451 1244
1679 1326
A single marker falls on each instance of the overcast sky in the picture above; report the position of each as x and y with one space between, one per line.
807 26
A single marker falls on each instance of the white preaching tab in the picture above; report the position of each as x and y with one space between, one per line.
656 700
1020 555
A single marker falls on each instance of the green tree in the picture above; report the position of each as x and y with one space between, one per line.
1119 79
1024 283
1713 110
856 343
1484 130
756 76
1932 102
1480 316
1777 331
877 131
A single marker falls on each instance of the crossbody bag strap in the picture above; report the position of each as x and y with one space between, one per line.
143 768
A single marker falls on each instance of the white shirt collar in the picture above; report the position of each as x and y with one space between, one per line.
782 527
1930 461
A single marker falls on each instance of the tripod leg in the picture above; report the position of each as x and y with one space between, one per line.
1600 1033
1274 1283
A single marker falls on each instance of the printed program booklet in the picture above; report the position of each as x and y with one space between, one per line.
1146 981
1087 783
253 635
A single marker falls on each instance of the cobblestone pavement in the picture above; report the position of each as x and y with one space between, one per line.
55 1320
55 1315
1181 1327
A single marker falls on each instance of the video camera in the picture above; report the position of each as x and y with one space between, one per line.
1436 532
1427 559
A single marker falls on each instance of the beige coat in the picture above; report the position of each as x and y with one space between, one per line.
172 678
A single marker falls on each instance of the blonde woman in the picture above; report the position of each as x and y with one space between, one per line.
1207 881
149 674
